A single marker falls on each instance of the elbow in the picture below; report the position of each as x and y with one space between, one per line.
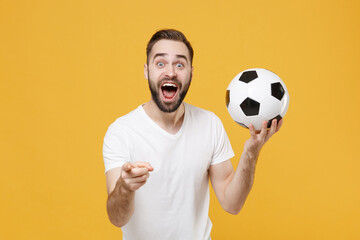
117 223
234 211
114 218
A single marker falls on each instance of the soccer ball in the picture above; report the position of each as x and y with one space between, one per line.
255 95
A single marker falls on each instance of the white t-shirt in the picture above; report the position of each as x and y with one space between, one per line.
174 202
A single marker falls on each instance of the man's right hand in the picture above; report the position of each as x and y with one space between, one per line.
121 190
134 175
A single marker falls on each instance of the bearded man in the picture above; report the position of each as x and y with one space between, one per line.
159 157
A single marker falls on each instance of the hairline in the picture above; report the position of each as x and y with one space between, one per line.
175 40
169 34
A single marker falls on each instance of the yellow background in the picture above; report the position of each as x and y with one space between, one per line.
69 68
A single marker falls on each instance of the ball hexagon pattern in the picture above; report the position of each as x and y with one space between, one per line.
256 95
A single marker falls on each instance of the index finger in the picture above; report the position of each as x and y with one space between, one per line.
138 171
144 165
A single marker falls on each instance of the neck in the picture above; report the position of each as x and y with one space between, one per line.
171 122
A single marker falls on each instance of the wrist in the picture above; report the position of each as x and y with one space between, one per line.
251 154
249 159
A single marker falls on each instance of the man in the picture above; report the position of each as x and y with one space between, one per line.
159 157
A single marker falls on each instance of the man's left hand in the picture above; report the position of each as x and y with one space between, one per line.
258 138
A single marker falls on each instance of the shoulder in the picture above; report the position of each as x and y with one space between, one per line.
197 112
126 121
191 109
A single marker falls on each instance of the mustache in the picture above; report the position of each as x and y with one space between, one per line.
175 80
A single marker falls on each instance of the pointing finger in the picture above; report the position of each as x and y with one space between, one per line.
139 171
144 165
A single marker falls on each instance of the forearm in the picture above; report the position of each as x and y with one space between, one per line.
241 183
120 205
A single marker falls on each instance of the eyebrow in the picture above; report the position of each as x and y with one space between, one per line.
164 54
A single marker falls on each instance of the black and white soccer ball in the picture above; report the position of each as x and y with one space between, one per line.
255 95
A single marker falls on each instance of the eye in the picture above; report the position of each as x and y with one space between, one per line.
160 64
179 65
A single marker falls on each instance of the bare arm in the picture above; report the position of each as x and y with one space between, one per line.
232 188
121 186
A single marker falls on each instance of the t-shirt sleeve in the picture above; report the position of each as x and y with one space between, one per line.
116 150
222 149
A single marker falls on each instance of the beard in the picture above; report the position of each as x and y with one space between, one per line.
168 107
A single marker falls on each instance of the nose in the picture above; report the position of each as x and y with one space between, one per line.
170 72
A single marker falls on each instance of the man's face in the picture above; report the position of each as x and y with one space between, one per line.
169 73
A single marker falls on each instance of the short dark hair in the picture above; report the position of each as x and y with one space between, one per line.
169 34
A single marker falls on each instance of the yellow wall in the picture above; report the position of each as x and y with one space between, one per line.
70 68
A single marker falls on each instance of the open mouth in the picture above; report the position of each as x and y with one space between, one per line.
169 90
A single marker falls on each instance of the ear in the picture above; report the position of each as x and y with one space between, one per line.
146 71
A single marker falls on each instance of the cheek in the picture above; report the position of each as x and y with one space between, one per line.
186 76
154 74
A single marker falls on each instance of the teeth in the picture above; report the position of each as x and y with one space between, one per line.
169 85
